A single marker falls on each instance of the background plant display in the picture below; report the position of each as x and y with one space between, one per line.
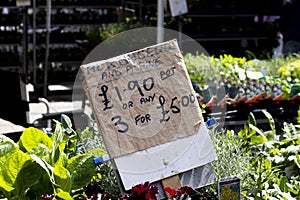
229 71
58 164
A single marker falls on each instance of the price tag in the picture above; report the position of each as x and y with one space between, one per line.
178 7
142 99
21 3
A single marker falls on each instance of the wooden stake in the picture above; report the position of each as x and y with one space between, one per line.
172 182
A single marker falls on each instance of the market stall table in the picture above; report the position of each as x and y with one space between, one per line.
11 130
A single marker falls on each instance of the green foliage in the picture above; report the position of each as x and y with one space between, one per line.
105 177
235 70
232 160
267 162
275 166
39 164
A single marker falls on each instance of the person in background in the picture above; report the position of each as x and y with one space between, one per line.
289 27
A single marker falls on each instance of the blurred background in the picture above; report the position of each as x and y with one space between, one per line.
43 42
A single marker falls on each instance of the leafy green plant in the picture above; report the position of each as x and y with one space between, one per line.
38 164
275 163
232 159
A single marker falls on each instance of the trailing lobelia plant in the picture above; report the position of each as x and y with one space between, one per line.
39 165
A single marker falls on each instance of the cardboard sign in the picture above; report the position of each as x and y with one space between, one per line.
142 99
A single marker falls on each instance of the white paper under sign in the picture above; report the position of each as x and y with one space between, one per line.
167 159
142 99
178 7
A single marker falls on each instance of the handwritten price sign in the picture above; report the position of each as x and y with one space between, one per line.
142 99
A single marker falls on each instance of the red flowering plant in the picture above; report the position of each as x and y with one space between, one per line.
184 192
143 191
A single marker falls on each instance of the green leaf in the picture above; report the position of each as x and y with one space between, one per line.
258 139
82 169
57 135
269 135
62 194
297 160
6 145
283 184
66 122
59 143
41 151
47 167
266 164
282 195
27 177
298 141
11 168
261 138
62 176
43 186
271 122
251 119
97 152
32 137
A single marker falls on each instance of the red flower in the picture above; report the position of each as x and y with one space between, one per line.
142 192
171 191
182 190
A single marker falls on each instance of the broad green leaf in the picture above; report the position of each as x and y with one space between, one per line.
43 186
27 177
266 164
11 168
62 176
6 145
258 139
269 135
41 151
47 167
32 137
66 122
287 141
262 136
97 152
62 194
82 169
